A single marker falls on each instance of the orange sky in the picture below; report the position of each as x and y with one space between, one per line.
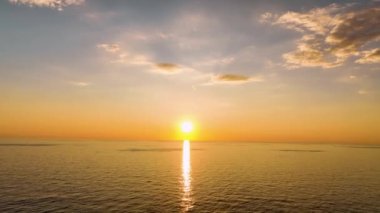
356 123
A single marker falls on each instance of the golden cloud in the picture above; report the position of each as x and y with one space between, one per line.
167 67
330 35
233 79
354 30
370 57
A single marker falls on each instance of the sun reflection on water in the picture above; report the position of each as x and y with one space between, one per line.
186 176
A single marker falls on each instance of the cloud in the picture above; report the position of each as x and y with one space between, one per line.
232 79
122 56
354 30
130 58
267 17
363 92
317 20
309 53
370 57
330 35
349 79
112 48
80 83
55 4
217 62
168 67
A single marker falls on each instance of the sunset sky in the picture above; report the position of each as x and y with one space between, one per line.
266 71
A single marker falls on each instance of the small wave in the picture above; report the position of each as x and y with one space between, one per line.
301 150
365 147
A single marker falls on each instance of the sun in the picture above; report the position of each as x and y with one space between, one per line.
187 127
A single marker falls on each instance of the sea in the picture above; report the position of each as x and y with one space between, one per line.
187 176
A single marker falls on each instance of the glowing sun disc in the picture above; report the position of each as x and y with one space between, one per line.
186 127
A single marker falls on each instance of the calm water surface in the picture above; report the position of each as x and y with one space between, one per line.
61 176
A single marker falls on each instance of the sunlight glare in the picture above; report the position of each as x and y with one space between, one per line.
186 176
187 126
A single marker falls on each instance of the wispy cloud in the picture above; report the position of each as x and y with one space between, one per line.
55 4
370 57
350 79
112 48
80 83
215 62
363 92
232 79
168 68
318 20
309 53
120 55
330 35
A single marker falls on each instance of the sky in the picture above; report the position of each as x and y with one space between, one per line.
241 70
